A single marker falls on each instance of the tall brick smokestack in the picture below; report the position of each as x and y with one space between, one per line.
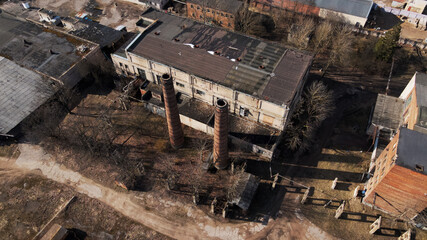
176 135
220 151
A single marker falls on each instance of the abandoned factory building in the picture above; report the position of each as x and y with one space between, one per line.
35 62
261 81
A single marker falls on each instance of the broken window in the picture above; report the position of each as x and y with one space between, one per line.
244 112
419 168
200 92
141 73
179 84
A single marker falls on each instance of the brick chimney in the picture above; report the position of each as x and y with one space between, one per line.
176 134
220 151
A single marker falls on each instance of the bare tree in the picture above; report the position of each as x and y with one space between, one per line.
300 32
341 46
315 106
323 36
246 21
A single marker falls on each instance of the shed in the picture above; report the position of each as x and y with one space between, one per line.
245 189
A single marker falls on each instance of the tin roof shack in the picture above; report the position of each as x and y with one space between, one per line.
243 190
398 185
261 81
354 12
54 59
219 12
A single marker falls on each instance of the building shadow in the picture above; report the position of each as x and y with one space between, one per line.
334 204
76 234
258 139
262 170
343 186
359 217
390 232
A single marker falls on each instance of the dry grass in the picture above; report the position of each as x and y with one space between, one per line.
28 201
9 150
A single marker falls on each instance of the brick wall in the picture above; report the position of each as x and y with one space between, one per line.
210 15
266 5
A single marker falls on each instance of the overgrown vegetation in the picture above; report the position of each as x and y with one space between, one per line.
334 43
316 104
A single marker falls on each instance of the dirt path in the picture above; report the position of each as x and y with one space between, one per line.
291 226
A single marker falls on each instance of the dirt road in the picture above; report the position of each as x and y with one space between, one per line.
196 225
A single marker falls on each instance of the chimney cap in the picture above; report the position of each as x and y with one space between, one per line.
221 103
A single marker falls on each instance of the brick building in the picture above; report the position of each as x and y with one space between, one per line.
415 109
398 185
219 12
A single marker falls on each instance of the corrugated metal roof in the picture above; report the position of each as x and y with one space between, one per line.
359 8
411 149
22 91
275 81
388 112
246 188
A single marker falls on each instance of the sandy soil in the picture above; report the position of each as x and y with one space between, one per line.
190 223
410 32
28 201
